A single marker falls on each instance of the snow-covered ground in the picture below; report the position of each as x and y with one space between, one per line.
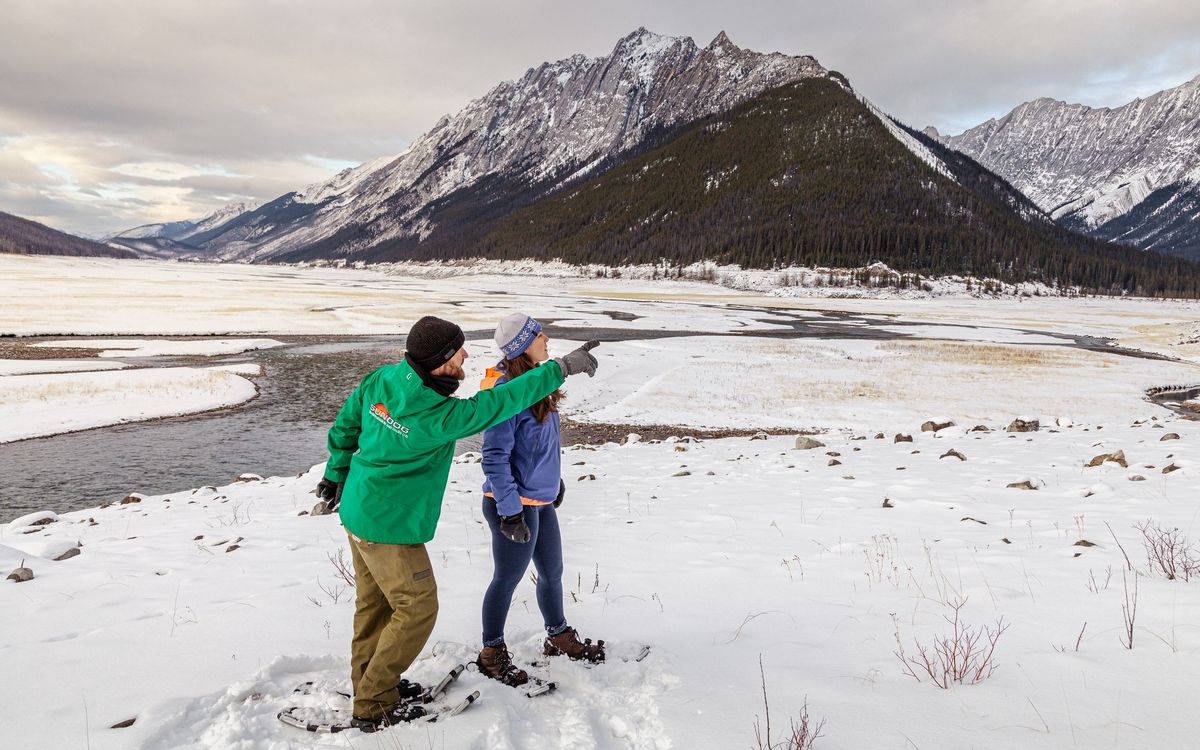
197 613
34 405
980 358
161 347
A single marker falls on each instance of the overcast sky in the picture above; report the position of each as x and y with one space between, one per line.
125 112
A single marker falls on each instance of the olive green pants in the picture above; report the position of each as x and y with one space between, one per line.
395 608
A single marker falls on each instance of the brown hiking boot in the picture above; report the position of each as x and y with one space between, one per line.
567 643
496 662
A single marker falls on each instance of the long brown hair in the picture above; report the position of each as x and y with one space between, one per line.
522 364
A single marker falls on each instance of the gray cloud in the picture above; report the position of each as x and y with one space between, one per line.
263 97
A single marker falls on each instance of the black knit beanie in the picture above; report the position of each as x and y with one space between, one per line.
433 341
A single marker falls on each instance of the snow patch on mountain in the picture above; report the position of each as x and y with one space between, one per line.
912 144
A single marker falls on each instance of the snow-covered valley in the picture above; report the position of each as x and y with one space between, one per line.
196 613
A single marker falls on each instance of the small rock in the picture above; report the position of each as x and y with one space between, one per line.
586 478
835 454
681 449
856 448
711 473
302 513
934 426
859 437
834 462
124 724
1005 540
1022 425
976 520
980 428
1084 543
321 509
759 436
887 503
232 547
1171 467
684 473
1169 436
1025 485
804 443
20 575
73 552
197 538
130 499
954 453
879 436
1137 478
902 438
248 478
1117 457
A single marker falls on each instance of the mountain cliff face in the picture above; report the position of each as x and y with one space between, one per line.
559 122
1130 174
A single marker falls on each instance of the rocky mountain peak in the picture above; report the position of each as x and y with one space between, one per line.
1093 168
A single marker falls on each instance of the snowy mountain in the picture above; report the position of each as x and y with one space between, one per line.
1130 174
176 239
561 120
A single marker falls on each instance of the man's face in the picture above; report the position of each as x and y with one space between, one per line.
454 365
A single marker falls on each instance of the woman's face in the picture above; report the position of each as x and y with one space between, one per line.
538 350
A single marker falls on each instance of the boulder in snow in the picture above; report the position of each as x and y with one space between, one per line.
804 443
1169 436
1023 425
21 575
1117 457
934 425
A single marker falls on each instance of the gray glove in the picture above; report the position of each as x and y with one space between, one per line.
579 361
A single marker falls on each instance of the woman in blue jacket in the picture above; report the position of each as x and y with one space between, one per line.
522 491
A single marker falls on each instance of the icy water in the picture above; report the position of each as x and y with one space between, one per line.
283 430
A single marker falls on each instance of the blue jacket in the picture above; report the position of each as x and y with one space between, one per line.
522 460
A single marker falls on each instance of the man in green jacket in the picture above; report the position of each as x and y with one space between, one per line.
390 451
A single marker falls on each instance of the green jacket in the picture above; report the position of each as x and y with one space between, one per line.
393 442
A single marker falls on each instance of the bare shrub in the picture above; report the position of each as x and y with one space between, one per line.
344 569
1129 611
965 656
802 732
1168 551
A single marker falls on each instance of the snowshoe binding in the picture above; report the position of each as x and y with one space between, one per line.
401 713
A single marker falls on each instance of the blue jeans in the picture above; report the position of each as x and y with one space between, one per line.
511 560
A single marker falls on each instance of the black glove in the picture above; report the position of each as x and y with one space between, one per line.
514 528
562 490
579 361
330 492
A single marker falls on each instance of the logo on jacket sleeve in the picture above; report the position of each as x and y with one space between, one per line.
380 412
